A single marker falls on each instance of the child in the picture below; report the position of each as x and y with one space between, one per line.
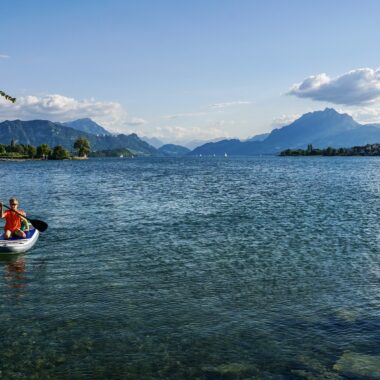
24 225
12 220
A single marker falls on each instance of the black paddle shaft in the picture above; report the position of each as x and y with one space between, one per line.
38 224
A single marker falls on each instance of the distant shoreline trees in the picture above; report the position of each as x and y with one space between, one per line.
367 150
26 151
43 151
15 151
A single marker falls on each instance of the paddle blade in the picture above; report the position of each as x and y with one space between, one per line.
39 225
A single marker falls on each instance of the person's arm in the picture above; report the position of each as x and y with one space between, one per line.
1 210
20 213
23 213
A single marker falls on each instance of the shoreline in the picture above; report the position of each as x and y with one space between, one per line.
40 159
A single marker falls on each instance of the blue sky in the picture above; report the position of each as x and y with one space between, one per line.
184 70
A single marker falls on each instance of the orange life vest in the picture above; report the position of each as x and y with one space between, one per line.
12 220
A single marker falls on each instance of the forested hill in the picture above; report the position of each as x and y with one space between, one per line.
37 132
173 150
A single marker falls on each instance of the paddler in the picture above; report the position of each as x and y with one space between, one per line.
13 221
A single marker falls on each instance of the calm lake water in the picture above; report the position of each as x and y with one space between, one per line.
195 268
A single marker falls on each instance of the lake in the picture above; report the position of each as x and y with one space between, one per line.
194 268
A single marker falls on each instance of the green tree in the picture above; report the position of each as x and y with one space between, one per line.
20 149
60 153
82 146
329 151
12 147
2 149
43 151
31 151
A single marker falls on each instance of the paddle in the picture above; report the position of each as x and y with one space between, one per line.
37 224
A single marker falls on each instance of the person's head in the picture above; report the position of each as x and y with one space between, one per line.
13 202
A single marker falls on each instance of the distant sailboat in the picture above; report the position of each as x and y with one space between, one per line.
121 156
225 154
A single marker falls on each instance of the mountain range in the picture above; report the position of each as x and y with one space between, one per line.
37 132
190 144
320 128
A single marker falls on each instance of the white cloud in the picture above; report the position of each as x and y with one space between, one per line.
219 106
136 121
360 86
181 134
4 56
363 115
62 108
210 110
283 120
185 115
229 123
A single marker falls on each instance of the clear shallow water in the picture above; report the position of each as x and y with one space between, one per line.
233 268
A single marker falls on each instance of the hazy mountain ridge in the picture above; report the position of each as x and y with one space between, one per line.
173 150
155 142
87 125
320 128
260 137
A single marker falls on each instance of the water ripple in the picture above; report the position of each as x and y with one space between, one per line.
193 268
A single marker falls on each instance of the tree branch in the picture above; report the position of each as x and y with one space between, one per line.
6 96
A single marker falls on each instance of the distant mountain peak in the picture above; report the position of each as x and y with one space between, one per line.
329 110
154 141
321 128
82 119
326 113
334 112
87 125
